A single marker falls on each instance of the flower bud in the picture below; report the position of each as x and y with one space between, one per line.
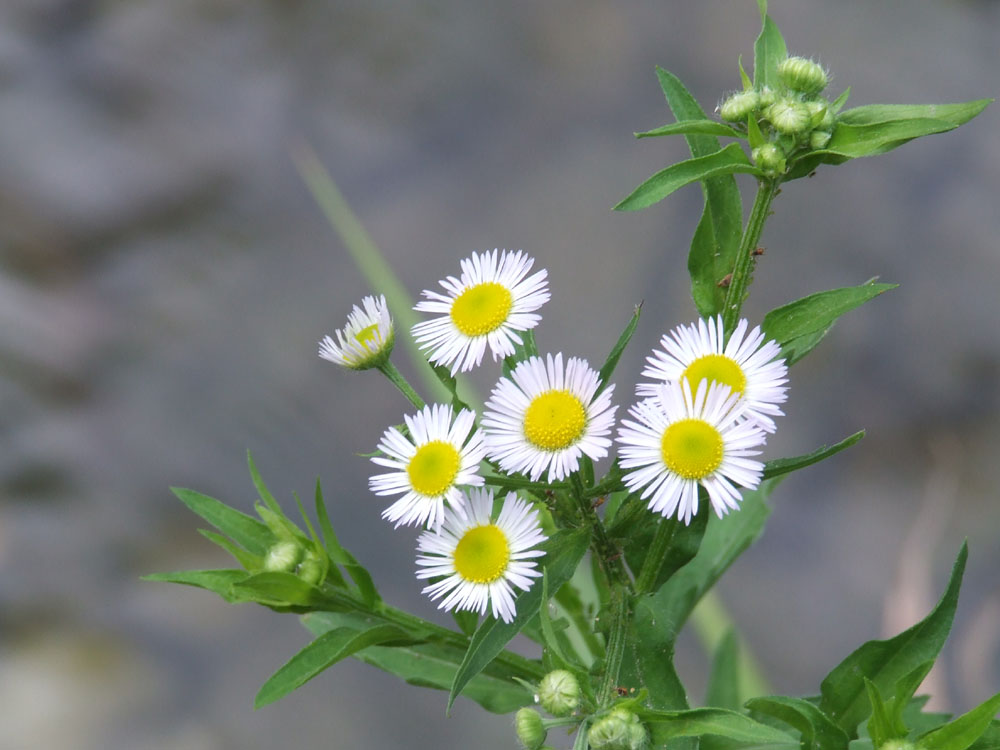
819 139
367 339
896 745
770 158
738 106
802 75
789 116
619 730
530 730
283 556
559 693
310 569
767 97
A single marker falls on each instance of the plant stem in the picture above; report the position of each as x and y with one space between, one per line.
615 653
742 275
655 556
394 375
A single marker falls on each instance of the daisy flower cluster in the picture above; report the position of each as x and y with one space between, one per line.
708 408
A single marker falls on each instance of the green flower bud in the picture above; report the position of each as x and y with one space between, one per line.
310 569
896 745
738 106
610 732
283 556
638 737
789 116
559 693
802 75
767 97
770 158
530 730
819 139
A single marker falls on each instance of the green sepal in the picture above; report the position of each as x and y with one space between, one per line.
245 530
325 651
730 160
665 726
817 730
692 127
563 552
844 696
779 466
963 732
723 690
608 368
768 51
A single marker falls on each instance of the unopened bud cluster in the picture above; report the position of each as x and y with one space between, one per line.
619 730
792 116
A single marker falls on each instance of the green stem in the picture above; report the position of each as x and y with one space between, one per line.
615 654
517 483
656 556
742 275
394 375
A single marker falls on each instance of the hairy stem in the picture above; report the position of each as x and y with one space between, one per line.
397 379
742 275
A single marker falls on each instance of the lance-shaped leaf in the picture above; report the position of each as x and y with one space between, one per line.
990 739
246 531
768 51
780 466
873 114
280 589
563 552
723 689
964 731
324 652
729 160
692 127
608 368
818 731
883 724
666 725
844 695
218 581
340 556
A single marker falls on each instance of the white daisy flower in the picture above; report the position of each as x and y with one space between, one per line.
746 363
480 560
488 305
366 341
429 466
677 442
544 417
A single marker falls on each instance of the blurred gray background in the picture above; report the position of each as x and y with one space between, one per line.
165 277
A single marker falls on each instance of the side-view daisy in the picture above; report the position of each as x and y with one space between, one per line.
480 560
487 306
746 363
677 441
429 465
366 341
545 416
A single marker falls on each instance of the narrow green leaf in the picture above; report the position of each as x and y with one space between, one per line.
754 136
729 160
768 51
280 589
762 7
844 697
840 101
744 78
262 490
692 127
555 652
580 741
218 581
990 739
954 114
467 620
243 557
817 729
881 724
857 141
817 312
324 652
443 374
563 552
608 368
964 731
902 694
800 346
340 556
723 689
246 531
919 721
684 542
666 725
780 466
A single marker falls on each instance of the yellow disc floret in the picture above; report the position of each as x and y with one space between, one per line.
369 337
482 554
433 468
691 448
482 308
554 420
717 367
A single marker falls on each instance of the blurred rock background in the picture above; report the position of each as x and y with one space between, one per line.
165 277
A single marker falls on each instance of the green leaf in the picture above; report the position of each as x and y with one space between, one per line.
840 101
277 588
684 542
563 552
717 237
467 620
920 721
431 664
754 136
744 78
323 652
800 346
768 51
244 558
817 312
856 141
340 556
666 725
818 731
262 490
962 732
443 374
246 531
692 127
729 160
882 725
844 696
608 368
902 694
723 689
555 651
953 114
990 740
218 581
780 466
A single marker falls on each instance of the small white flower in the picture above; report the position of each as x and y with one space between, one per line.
746 363
677 442
545 417
480 560
488 305
429 466
366 341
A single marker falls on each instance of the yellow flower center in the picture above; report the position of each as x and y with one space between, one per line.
691 448
717 367
433 468
368 337
482 553
554 420
481 308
